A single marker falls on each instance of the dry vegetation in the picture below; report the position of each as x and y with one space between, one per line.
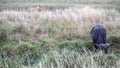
71 23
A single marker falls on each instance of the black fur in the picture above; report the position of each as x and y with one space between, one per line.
98 34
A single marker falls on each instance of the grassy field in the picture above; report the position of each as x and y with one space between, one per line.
50 53
71 23
57 38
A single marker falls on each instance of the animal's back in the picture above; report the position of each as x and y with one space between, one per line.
98 34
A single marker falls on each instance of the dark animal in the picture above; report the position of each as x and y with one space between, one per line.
98 34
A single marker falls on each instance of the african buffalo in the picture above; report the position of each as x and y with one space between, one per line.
98 34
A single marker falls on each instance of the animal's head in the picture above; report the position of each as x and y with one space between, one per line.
39 7
36 8
103 45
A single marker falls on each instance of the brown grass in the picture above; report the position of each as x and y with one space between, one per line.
70 23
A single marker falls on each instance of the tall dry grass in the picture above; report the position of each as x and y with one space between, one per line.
71 59
70 23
